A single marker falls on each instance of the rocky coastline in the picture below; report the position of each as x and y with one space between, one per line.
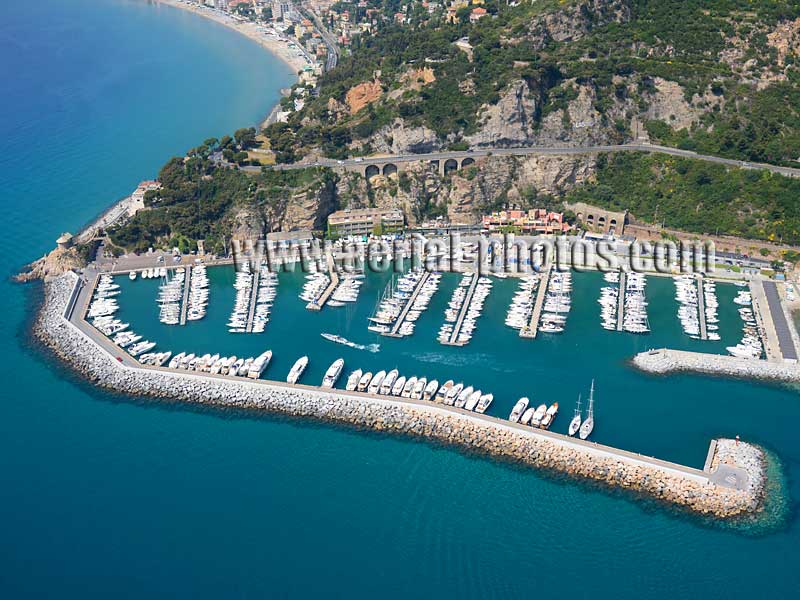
691 490
664 361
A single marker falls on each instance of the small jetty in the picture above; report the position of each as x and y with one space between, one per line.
621 300
186 286
701 308
533 327
251 311
453 341
404 313
326 294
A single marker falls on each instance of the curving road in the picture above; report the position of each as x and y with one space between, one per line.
532 151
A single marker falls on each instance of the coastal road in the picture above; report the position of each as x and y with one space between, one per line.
533 151
327 37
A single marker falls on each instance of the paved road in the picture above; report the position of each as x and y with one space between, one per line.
327 37
533 151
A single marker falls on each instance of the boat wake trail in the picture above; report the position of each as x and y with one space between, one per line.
345 342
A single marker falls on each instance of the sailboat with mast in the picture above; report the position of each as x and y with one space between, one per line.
575 424
588 424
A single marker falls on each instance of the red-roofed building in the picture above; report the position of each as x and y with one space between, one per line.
533 221
477 14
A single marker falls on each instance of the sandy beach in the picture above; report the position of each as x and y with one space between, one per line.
292 57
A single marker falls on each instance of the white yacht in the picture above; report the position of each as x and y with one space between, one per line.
518 409
588 424
353 379
484 403
333 372
575 424
298 368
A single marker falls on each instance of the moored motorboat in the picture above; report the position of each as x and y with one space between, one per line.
363 383
537 417
483 403
398 386
518 409
376 382
388 382
430 389
473 400
333 373
353 379
444 390
549 416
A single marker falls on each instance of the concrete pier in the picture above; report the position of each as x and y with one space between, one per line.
187 278
453 341
701 308
779 321
404 313
621 300
252 306
541 293
766 326
325 296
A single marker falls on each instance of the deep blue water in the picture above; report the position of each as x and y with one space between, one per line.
109 497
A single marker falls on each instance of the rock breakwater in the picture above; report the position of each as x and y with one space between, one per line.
665 361
679 486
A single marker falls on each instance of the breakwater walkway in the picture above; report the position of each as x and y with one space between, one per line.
667 360
326 294
187 278
453 341
401 318
731 486
621 300
541 293
701 308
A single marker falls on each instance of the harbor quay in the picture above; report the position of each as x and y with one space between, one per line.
665 360
731 484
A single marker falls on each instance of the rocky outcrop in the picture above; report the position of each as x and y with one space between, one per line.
54 264
574 21
465 194
363 94
510 122
398 138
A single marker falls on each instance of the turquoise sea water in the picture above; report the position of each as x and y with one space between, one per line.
104 496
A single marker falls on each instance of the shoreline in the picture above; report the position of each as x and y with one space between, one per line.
698 492
275 47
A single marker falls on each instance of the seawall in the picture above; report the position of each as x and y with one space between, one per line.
704 492
665 360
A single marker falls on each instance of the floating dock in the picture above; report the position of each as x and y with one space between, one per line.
621 300
325 296
187 278
541 293
453 341
402 317
253 296
701 308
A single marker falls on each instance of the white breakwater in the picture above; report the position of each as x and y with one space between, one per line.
681 486
665 360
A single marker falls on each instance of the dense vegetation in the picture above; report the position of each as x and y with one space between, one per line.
697 196
198 199
616 47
